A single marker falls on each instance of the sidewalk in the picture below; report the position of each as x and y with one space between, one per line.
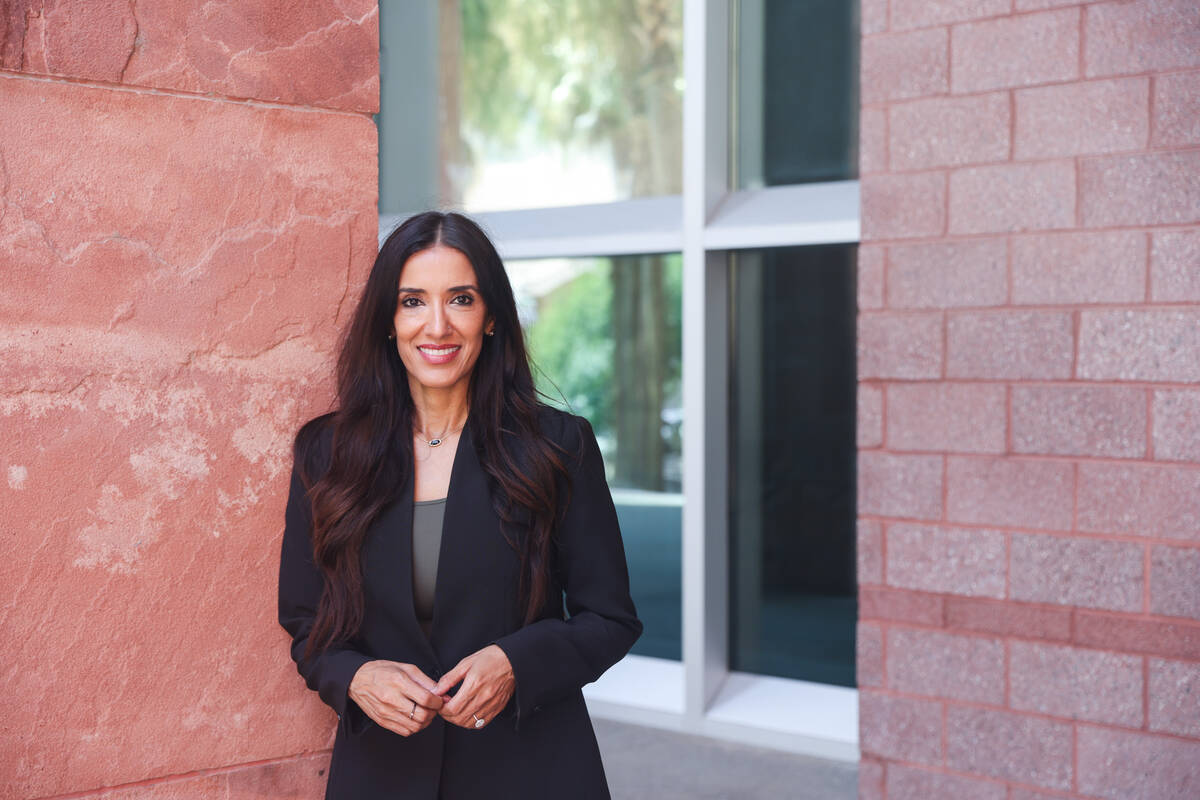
644 763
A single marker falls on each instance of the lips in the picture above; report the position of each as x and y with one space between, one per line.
439 353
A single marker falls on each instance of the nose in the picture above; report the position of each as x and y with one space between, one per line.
438 324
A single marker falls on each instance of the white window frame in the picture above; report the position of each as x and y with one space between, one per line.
700 694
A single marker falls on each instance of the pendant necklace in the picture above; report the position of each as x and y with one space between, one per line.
434 442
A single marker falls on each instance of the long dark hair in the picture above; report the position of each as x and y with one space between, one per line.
371 448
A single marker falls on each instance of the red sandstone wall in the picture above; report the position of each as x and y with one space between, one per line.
1029 356
187 205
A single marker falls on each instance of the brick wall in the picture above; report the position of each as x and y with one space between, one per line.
187 194
1029 399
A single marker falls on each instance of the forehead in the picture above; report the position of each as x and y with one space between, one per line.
437 268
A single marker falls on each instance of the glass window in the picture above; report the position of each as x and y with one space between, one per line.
795 92
489 105
792 462
604 336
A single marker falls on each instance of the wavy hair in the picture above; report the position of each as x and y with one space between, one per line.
371 452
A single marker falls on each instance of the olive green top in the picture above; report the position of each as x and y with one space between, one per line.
427 545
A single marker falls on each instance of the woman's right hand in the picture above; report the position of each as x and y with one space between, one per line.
397 696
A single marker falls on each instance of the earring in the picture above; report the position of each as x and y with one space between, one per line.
391 336
489 333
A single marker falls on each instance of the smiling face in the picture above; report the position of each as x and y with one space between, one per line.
440 319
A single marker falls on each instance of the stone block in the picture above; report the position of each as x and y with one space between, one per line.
1158 188
1175 266
1004 198
950 560
1177 425
903 345
1140 345
1073 571
1079 420
899 65
1141 36
901 728
1009 345
949 131
870 275
1006 618
963 418
1070 268
869 428
1175 581
912 783
1130 765
868 654
1011 492
963 272
903 206
917 608
1171 638
1021 50
1176 110
1174 697
1140 499
1084 118
945 665
900 485
872 140
1008 746
1074 683
869 551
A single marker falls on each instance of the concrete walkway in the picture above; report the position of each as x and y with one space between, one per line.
646 763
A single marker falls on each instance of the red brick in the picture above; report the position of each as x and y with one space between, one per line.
1079 420
900 727
1175 697
870 779
1150 345
1009 345
868 655
870 276
965 418
1176 110
1082 118
1006 618
900 345
1175 266
1012 197
1079 572
965 272
1175 581
898 606
1177 639
949 131
1126 765
870 551
1016 492
911 783
953 560
1078 684
945 665
900 485
1177 425
899 65
899 206
1161 188
872 141
1143 36
873 16
1104 267
1009 746
1140 499
924 13
869 431
1015 51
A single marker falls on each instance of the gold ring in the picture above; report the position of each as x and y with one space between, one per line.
478 722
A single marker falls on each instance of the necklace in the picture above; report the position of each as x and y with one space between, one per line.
434 442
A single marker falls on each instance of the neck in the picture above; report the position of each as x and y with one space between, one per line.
439 411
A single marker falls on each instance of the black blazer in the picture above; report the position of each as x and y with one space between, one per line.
542 744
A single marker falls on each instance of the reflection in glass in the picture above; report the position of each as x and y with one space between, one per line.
524 104
604 336
795 92
792 463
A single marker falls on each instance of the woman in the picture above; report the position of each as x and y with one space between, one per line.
436 521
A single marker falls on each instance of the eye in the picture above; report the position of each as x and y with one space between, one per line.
463 300
410 302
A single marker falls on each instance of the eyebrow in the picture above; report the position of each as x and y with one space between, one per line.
467 288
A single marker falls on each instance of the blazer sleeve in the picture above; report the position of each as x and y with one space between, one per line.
330 671
552 657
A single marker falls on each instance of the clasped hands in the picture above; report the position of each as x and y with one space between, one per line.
403 699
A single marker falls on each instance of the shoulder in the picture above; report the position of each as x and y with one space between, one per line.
569 431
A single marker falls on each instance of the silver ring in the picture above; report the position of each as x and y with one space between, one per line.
414 710
478 722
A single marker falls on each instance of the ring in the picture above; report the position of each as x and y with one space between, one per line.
478 722
414 710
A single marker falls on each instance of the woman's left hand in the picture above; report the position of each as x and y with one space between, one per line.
487 685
